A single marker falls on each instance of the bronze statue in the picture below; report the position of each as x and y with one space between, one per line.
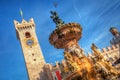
56 18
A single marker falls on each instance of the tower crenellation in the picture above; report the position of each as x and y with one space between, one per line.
24 25
108 52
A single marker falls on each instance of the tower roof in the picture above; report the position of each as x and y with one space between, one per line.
24 23
112 28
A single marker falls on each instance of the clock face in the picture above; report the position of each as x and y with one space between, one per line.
29 42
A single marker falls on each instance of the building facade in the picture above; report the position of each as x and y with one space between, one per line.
36 66
110 53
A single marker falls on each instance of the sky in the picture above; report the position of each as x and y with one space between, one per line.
95 16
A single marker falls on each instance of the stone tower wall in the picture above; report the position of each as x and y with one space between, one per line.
31 50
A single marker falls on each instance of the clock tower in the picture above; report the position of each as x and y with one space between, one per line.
31 49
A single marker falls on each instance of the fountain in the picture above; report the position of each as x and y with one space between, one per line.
66 37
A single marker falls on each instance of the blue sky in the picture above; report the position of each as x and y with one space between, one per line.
95 17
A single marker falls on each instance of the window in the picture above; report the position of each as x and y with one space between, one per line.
34 59
27 35
32 54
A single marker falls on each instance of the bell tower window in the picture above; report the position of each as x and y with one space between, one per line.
27 35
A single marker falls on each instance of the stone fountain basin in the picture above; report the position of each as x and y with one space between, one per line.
65 33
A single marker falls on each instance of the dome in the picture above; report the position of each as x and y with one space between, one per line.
114 30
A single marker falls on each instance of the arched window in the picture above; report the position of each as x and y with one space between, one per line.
27 35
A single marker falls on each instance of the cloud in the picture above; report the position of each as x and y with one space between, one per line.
76 9
101 36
